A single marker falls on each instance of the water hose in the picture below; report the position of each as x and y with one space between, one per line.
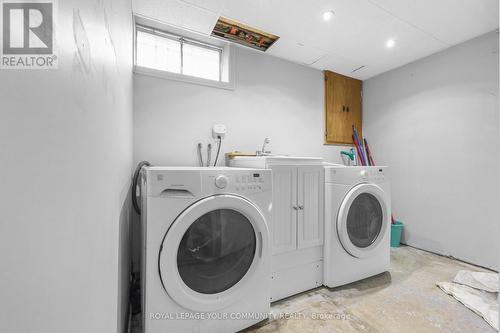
200 156
218 151
209 154
136 190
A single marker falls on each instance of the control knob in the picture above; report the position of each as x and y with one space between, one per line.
221 181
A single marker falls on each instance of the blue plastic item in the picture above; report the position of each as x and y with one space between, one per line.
396 231
349 154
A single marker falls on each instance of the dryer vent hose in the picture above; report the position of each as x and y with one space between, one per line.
136 190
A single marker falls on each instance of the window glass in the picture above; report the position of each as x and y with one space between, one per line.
169 53
216 251
201 62
158 52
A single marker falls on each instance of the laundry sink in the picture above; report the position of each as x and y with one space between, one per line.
264 161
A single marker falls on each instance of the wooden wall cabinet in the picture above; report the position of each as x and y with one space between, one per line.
342 108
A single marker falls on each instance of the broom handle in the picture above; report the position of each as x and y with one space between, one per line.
369 153
360 158
364 162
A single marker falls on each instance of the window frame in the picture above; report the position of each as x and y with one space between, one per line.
226 61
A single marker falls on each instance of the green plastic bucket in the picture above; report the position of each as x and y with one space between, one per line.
396 230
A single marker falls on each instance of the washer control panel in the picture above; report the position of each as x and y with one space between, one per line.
221 181
251 182
239 181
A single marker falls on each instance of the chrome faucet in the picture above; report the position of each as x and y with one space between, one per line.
263 151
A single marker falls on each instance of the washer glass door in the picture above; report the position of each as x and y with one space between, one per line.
362 220
216 251
212 253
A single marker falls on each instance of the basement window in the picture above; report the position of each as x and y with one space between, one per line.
162 54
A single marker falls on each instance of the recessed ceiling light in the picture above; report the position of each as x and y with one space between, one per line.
390 43
327 16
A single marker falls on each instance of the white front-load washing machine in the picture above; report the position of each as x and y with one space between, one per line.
206 255
357 223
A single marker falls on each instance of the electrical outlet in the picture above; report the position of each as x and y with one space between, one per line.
219 130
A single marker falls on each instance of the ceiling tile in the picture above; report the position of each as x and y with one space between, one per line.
339 64
297 52
451 21
411 44
211 5
300 21
354 37
178 13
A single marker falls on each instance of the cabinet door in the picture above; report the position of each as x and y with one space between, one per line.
284 228
353 102
342 108
310 202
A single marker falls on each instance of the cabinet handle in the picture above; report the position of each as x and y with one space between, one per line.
295 207
347 109
301 207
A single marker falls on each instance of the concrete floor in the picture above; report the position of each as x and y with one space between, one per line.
406 299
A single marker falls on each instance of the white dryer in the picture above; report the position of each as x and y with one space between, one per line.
357 223
206 255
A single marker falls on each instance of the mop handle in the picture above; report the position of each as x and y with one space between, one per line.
369 153
363 161
357 149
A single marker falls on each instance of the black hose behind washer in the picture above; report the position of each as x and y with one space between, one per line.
135 183
218 151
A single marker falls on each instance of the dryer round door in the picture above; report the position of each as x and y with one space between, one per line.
211 252
362 220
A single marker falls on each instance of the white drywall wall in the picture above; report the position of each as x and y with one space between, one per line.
435 123
65 163
273 98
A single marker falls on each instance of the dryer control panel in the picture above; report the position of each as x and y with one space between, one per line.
372 174
353 175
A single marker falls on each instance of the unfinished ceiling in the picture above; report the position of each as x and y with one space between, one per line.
353 41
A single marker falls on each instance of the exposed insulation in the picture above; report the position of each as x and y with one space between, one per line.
243 34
